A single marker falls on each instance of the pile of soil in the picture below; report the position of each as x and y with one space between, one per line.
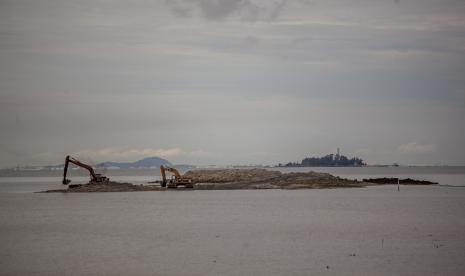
405 181
265 179
234 179
232 175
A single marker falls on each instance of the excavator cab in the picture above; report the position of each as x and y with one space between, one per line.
175 180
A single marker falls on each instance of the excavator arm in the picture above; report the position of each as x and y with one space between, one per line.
94 177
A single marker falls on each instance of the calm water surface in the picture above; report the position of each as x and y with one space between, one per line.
360 231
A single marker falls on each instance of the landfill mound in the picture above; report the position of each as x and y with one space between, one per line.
227 179
234 179
265 179
109 186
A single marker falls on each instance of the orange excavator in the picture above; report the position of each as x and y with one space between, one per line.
94 177
176 179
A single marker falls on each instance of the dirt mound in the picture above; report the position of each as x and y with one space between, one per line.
232 175
313 180
265 179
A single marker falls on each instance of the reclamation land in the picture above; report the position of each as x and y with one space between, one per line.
235 179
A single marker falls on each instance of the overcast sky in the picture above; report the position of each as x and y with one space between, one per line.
232 81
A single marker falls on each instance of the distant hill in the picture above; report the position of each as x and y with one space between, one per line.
149 162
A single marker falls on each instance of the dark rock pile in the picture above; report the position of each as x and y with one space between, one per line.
105 187
405 181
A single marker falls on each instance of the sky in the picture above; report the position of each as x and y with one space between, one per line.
232 81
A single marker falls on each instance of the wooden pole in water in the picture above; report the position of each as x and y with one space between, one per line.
398 185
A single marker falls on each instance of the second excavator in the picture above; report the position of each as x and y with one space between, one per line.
176 180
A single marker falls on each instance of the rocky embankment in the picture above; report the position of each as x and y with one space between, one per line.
234 179
228 179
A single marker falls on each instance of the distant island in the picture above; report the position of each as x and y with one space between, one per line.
149 163
330 160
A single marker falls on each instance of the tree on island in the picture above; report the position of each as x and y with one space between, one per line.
330 160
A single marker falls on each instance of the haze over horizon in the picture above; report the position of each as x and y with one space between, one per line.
232 81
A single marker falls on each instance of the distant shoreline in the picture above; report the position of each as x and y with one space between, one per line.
156 171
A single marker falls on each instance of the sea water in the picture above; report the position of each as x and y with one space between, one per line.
378 230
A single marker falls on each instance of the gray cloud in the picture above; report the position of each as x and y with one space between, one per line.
248 10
